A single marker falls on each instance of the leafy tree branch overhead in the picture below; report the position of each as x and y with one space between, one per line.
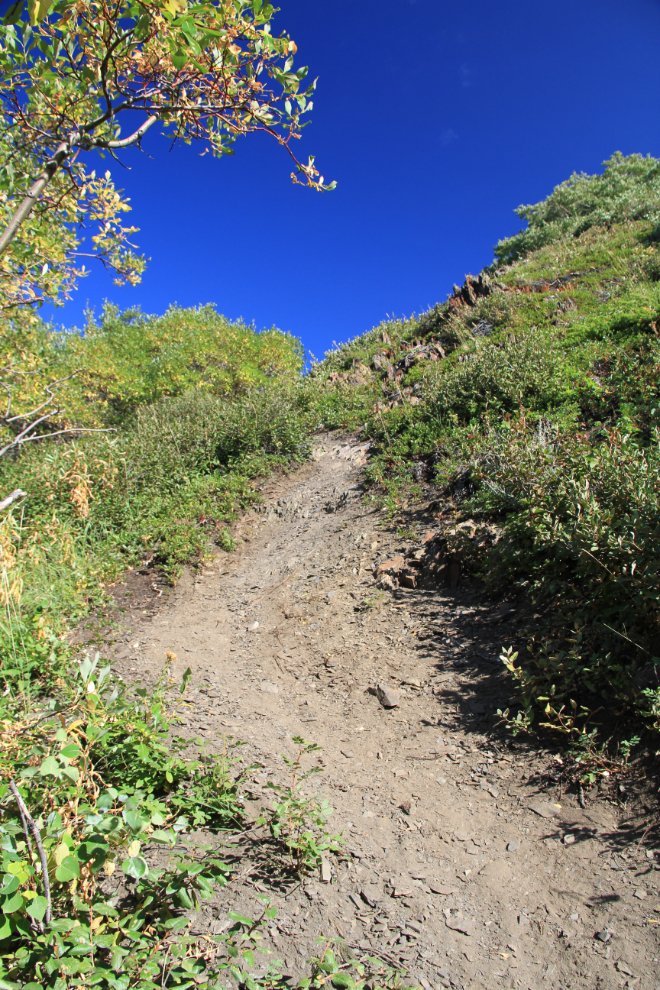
93 75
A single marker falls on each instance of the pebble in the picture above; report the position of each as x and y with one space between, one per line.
253 627
568 839
463 926
371 895
544 810
269 688
513 845
389 697
603 935
437 887
640 892
348 753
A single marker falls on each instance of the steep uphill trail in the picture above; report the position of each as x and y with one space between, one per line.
461 863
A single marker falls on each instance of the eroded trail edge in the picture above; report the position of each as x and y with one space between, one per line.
460 862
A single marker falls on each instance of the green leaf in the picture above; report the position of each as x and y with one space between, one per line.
5 928
91 850
342 980
37 908
135 866
10 884
161 835
183 898
117 982
12 903
13 15
68 869
72 751
133 820
50 767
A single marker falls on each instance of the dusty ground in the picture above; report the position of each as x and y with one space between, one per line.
463 863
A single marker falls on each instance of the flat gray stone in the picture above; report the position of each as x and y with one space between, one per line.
544 809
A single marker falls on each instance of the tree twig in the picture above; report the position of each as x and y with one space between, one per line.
29 823
6 502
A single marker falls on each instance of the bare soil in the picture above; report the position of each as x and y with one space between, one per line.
463 861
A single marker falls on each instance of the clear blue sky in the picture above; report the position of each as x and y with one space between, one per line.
436 118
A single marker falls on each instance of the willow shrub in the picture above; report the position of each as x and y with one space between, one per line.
583 535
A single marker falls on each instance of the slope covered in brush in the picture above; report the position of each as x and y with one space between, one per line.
537 385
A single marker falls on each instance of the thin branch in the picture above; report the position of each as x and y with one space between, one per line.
15 495
18 442
135 137
29 823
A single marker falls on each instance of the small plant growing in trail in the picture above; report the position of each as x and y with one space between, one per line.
297 823
371 601
351 975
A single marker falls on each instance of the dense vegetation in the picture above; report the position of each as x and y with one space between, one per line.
528 402
546 403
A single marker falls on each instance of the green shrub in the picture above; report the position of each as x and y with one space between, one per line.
498 380
628 189
582 535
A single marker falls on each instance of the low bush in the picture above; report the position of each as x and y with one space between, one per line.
80 903
581 536
627 189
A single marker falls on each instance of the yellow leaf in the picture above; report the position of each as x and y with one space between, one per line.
134 848
38 10
17 869
61 852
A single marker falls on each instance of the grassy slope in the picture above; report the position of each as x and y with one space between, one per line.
197 407
548 397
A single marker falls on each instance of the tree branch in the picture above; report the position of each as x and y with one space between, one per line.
30 824
6 502
33 194
18 442
136 136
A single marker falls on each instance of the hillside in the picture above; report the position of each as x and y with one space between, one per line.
527 404
504 447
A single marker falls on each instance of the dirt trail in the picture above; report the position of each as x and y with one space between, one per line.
461 866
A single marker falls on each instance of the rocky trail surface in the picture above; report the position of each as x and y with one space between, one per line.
462 862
